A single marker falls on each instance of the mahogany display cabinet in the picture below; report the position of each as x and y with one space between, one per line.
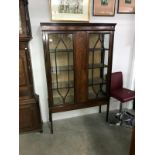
78 62
29 110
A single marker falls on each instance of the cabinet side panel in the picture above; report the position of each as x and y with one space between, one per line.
81 66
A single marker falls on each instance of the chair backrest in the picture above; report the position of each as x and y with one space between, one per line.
116 81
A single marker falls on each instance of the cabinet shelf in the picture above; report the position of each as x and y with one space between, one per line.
60 50
62 68
97 49
70 67
92 66
71 50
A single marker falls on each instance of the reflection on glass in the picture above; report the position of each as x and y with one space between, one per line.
128 1
20 25
61 59
98 65
63 96
104 2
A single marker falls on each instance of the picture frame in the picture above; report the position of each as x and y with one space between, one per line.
126 7
104 7
70 10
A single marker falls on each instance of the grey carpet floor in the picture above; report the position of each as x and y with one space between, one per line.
84 135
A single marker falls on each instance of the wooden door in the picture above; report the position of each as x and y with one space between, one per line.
98 64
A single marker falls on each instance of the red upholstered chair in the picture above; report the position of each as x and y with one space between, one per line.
118 92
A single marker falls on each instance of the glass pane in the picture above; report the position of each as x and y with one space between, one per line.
106 40
63 59
60 96
62 78
98 64
62 70
128 1
106 57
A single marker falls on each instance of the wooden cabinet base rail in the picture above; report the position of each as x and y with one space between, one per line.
66 107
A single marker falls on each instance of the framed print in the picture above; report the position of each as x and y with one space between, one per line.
104 8
126 6
69 10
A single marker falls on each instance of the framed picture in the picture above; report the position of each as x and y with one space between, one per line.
70 10
104 8
126 6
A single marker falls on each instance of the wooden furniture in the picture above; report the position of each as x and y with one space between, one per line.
29 111
78 61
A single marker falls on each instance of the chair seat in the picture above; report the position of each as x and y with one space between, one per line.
123 94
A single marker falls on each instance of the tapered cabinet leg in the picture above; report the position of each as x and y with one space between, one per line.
100 108
51 129
51 122
41 131
107 115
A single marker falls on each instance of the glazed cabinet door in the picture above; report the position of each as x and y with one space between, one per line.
25 79
60 72
98 64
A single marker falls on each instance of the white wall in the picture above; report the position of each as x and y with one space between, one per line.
122 58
